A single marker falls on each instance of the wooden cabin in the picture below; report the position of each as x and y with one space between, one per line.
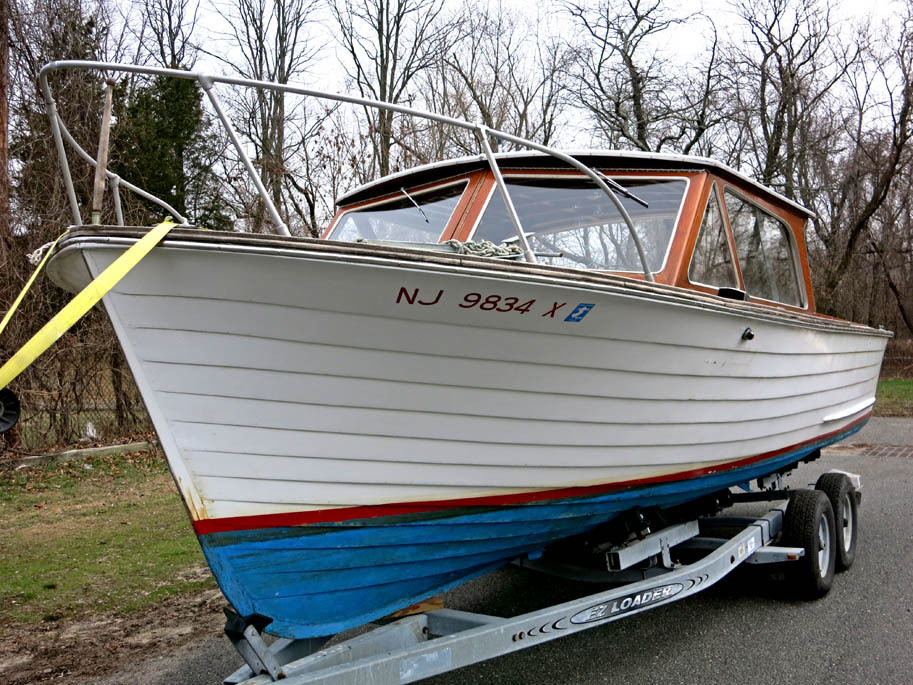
703 226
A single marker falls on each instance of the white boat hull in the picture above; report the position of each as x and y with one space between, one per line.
349 439
286 383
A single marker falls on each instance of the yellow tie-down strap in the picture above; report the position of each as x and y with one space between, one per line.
87 298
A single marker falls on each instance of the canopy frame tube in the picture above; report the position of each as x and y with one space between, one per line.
207 81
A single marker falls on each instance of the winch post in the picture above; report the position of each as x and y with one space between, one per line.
246 638
104 135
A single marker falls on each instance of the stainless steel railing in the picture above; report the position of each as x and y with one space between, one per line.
207 83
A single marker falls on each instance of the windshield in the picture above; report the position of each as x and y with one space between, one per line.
399 219
572 222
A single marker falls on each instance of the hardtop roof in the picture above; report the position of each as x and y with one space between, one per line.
616 160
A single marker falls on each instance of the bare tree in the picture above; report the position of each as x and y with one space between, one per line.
785 80
321 167
503 72
62 388
890 236
388 43
635 96
4 129
272 39
169 25
162 139
876 161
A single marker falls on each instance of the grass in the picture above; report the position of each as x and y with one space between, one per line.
94 536
895 397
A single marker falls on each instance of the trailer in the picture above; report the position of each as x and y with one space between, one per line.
811 533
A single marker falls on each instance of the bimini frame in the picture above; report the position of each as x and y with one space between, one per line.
207 83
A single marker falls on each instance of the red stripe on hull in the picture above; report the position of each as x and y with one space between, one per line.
300 518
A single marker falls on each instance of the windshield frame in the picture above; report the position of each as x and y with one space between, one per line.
415 192
555 174
798 267
715 192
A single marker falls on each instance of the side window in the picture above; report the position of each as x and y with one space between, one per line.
711 263
764 248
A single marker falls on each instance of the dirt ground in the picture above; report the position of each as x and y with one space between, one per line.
71 653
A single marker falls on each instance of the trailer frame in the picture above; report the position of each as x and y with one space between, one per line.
442 640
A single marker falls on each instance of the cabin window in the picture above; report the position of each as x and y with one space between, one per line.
765 252
398 219
572 222
712 263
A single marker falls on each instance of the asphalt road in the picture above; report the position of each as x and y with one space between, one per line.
737 631
884 430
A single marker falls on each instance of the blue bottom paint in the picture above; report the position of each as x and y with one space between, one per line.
321 579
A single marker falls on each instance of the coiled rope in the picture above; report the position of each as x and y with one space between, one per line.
484 248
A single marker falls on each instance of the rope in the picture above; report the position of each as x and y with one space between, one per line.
35 257
484 248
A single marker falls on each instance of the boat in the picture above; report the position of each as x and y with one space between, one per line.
478 359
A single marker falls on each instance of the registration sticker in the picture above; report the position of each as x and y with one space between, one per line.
580 311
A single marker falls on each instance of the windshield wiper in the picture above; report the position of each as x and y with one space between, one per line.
617 187
403 191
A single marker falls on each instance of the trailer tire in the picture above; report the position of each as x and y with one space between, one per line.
840 491
809 523
9 410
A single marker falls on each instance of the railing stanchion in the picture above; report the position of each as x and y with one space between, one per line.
62 159
482 134
629 222
175 214
115 193
206 83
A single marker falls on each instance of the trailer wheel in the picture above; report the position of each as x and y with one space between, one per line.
840 491
809 523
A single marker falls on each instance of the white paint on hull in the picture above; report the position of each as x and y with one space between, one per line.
281 384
